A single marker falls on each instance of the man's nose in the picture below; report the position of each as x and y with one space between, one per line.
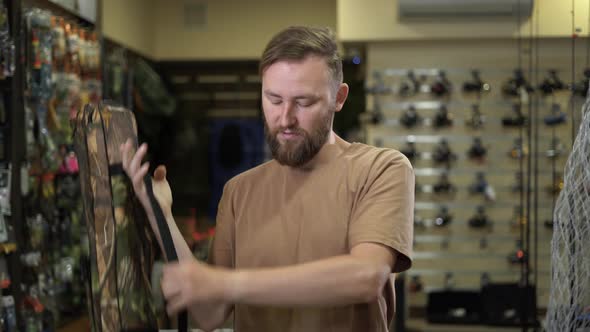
288 118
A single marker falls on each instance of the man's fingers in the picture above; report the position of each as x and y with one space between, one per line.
136 161
125 150
140 174
160 173
175 305
170 269
171 288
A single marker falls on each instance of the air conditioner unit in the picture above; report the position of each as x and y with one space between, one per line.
464 8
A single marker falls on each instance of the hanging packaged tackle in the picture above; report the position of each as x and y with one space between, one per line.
39 80
7 48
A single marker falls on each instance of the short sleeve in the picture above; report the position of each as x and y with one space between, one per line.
222 250
384 208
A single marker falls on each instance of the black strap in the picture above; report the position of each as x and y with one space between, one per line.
166 241
116 169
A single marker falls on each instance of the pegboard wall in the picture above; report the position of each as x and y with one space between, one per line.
424 98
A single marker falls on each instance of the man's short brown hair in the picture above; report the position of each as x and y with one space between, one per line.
297 42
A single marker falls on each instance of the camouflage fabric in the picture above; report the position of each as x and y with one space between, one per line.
121 242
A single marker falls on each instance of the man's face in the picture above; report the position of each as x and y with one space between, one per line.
298 100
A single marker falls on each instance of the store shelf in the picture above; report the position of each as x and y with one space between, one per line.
60 10
488 169
420 325
464 238
485 73
492 273
449 255
470 206
7 248
435 139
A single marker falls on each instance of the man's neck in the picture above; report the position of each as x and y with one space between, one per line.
331 149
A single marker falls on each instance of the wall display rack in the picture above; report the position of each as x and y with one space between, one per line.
467 133
51 66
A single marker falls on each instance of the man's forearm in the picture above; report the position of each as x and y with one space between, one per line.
332 281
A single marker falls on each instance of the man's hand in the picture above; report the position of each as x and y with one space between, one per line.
191 283
137 171
187 284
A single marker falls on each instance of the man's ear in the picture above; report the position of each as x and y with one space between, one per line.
341 96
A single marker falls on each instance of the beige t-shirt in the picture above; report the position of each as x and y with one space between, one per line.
274 215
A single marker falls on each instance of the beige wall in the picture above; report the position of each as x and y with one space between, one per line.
235 29
130 23
378 20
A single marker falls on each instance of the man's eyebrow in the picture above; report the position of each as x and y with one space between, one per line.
271 94
310 96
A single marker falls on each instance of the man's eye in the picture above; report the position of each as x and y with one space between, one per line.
305 103
276 102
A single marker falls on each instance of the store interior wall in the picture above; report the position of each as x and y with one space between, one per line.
373 20
230 29
130 23
233 29
207 30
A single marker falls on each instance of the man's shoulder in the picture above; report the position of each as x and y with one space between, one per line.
253 175
371 156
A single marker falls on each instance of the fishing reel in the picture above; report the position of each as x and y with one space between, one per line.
519 256
449 281
442 153
556 149
410 117
416 285
517 119
443 217
518 218
410 151
477 151
441 86
442 118
375 116
443 185
480 219
557 116
551 84
476 85
410 85
581 88
482 187
518 151
516 84
476 120
557 185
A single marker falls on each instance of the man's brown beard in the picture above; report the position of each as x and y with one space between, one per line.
297 154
